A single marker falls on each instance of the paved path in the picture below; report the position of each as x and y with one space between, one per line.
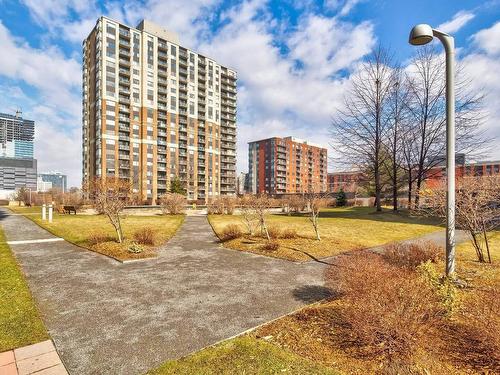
111 318
39 359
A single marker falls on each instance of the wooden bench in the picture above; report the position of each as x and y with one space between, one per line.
69 209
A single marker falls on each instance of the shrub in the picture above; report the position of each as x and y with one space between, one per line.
173 203
96 238
135 248
475 341
229 204
215 206
388 311
270 246
411 255
274 232
230 232
145 236
289 233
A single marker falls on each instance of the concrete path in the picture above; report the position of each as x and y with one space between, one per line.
111 318
39 359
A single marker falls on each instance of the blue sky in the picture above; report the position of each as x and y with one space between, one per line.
293 57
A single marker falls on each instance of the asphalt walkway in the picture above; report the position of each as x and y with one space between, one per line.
106 317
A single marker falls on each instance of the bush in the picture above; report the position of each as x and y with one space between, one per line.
388 311
274 232
475 343
270 246
173 203
96 238
289 233
145 236
229 204
411 255
230 232
135 248
215 206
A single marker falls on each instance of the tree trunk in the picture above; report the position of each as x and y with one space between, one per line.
410 186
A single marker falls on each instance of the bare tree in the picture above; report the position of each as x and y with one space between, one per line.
248 214
110 196
477 209
359 130
261 204
427 108
22 196
395 136
316 202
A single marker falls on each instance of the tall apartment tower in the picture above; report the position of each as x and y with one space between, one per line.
154 111
286 165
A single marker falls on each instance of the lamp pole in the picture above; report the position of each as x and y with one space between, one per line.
423 34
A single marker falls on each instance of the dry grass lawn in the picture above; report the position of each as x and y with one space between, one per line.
342 229
79 229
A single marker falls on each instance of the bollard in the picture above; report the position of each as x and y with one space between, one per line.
50 213
44 212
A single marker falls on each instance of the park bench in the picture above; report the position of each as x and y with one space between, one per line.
69 209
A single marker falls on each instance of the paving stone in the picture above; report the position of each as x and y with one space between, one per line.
40 362
34 350
7 357
9 369
55 370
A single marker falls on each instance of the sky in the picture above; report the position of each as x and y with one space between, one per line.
294 59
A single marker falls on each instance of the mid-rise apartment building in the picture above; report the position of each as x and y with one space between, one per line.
16 136
286 165
154 110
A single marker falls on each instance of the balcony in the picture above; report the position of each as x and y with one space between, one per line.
124 72
124 62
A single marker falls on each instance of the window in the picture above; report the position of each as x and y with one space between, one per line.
110 29
173 67
173 50
110 48
173 103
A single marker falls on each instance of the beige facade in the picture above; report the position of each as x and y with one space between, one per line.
154 111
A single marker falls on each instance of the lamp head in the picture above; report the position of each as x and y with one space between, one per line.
421 34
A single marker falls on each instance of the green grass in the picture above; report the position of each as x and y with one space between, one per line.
20 323
78 229
242 355
342 229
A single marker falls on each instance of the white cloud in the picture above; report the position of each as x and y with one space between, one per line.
274 97
483 66
458 21
48 70
489 39
57 81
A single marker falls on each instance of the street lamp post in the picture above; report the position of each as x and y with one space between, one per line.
423 34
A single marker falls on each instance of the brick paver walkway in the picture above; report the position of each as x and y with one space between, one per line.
39 359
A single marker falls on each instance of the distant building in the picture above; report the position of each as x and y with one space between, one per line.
16 173
286 165
348 181
52 180
18 168
16 136
242 184
480 168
